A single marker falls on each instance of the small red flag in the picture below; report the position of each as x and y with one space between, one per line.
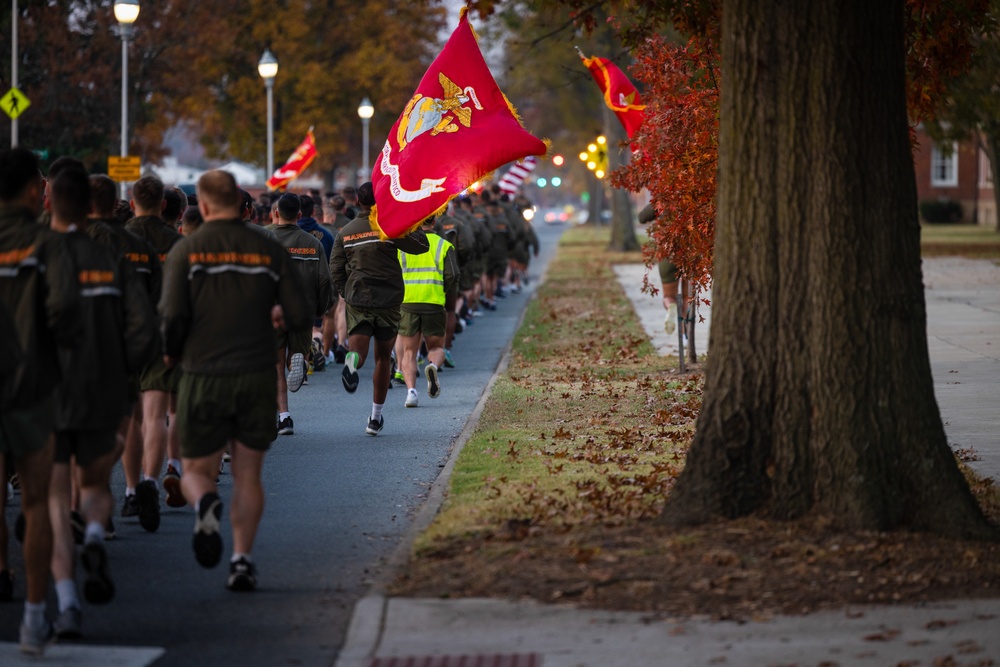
297 163
619 93
457 127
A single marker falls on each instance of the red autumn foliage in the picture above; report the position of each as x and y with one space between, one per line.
678 143
678 151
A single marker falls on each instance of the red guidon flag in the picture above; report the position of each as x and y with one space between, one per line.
297 162
457 127
619 93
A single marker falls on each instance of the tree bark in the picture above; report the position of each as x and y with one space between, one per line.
991 138
819 396
622 217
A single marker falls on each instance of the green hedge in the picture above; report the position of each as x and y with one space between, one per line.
941 210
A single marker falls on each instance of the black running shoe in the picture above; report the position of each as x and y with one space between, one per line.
129 507
147 498
207 542
339 354
6 586
78 526
242 576
350 380
374 427
98 587
285 426
433 385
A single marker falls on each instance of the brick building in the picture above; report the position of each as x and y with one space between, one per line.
963 174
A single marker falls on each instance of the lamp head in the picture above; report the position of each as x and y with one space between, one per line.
365 109
126 11
268 66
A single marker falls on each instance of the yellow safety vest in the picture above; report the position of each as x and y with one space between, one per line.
423 275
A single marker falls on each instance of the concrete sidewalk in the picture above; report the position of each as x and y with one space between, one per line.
963 301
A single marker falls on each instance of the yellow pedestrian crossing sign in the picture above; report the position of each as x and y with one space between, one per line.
14 103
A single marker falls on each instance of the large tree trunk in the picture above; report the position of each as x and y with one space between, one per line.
622 217
819 396
991 140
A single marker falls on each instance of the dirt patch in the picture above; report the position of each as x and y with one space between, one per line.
732 570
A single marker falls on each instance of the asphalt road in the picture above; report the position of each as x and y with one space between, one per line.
337 503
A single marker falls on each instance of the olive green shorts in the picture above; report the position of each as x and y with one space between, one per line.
295 341
26 430
157 377
468 276
496 267
382 323
214 409
429 324
87 445
668 272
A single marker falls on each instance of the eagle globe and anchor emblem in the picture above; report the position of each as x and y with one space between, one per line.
433 115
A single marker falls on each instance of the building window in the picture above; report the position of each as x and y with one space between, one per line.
944 168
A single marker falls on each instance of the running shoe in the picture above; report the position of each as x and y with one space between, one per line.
78 526
374 427
296 372
242 576
670 321
412 400
207 542
129 506
316 356
98 587
350 375
448 361
285 426
339 353
398 378
68 624
147 497
109 530
34 640
459 325
172 487
433 386
6 586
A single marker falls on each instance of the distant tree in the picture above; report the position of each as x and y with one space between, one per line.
972 97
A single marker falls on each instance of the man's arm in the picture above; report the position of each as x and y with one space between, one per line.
290 297
175 304
338 265
414 243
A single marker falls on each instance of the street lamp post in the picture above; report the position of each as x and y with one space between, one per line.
126 12
365 111
268 69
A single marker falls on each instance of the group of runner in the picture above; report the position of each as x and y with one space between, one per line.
149 333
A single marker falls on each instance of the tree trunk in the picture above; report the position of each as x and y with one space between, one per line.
819 396
622 218
991 139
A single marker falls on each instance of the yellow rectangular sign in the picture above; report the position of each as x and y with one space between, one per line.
124 169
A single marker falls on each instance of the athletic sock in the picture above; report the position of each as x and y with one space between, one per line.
284 415
377 411
34 614
94 533
237 556
351 361
129 491
66 593
176 464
